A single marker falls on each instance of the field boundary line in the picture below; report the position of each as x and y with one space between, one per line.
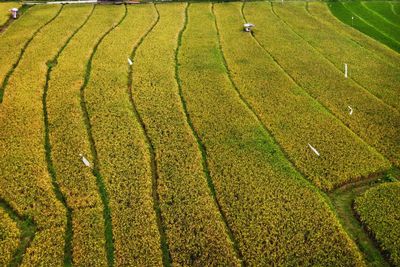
201 146
379 15
311 97
348 36
28 230
393 10
68 260
109 244
372 26
21 54
329 61
323 195
166 257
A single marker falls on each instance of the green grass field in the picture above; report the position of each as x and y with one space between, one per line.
164 135
380 20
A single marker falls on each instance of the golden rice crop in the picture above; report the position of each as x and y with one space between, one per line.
19 33
276 217
5 11
68 139
195 231
294 118
375 122
379 210
9 237
372 72
26 184
121 149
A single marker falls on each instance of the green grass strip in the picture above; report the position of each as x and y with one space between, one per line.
60 196
201 145
196 234
384 10
343 13
96 172
166 257
121 147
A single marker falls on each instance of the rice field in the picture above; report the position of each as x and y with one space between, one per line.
162 134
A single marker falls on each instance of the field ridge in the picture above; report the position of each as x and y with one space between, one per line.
15 65
166 256
56 187
329 60
96 171
302 88
202 147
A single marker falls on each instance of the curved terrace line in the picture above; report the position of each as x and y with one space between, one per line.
331 63
324 197
28 229
166 257
393 9
108 233
15 65
379 15
349 37
370 25
47 145
311 97
202 147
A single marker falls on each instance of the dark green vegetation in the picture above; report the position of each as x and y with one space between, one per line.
376 19
197 136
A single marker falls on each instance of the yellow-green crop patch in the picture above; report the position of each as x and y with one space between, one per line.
26 183
250 173
379 210
163 134
9 237
195 231
300 124
376 123
120 145
14 40
5 10
373 73
67 134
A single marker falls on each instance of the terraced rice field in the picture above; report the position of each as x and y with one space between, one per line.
380 20
163 134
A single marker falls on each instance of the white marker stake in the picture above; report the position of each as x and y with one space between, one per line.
345 70
351 110
313 149
85 161
130 61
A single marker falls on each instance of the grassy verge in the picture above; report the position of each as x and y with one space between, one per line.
343 12
343 200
